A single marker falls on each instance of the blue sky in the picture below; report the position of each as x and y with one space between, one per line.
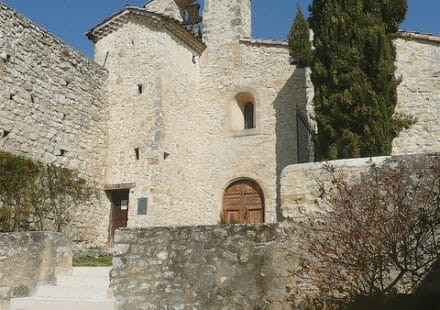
70 19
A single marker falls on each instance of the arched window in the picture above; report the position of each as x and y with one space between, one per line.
248 115
241 113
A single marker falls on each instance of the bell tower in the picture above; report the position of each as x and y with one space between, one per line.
166 7
226 21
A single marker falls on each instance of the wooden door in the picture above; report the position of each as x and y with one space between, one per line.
119 211
243 203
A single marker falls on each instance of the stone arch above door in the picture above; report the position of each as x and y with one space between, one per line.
243 203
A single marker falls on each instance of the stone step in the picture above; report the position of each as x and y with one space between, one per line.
71 292
91 271
83 281
51 303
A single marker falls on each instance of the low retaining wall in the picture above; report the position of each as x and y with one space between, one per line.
31 258
204 267
299 183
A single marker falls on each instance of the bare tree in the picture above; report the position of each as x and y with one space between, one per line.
375 237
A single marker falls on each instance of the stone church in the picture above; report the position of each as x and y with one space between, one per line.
182 118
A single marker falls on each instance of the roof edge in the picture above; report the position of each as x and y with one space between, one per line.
116 20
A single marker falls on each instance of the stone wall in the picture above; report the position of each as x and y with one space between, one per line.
260 68
299 183
53 108
203 267
232 266
31 258
418 68
226 21
167 7
161 121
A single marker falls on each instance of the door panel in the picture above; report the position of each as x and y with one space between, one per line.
119 211
243 202
233 216
254 216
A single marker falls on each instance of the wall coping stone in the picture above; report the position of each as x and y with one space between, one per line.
419 36
265 42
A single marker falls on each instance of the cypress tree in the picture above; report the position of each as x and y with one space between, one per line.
353 73
299 40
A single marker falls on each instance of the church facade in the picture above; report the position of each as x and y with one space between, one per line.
183 118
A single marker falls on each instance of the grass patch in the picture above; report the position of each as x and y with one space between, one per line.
85 261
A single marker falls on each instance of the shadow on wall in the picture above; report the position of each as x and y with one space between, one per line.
291 98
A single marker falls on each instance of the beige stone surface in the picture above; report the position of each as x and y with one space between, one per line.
188 153
52 98
418 67
300 183
173 98
31 258
167 7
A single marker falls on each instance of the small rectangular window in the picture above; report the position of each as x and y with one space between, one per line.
136 152
249 116
140 88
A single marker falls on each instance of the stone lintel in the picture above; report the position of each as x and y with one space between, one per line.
112 187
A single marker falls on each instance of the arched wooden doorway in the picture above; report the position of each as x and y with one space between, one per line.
243 203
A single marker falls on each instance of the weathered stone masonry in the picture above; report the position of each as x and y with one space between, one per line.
418 70
160 119
53 107
181 123
202 267
232 266
31 258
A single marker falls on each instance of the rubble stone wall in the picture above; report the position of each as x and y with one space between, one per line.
418 68
161 121
202 267
53 108
31 258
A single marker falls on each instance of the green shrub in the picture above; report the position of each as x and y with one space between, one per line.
37 196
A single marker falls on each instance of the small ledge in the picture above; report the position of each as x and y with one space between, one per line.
264 42
243 133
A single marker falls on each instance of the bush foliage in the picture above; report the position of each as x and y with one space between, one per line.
37 196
